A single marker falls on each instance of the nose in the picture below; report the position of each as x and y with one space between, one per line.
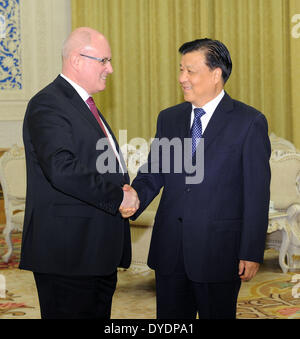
182 77
109 67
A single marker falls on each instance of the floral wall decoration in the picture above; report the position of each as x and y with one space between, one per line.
10 45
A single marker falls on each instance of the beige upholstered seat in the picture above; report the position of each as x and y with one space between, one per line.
285 193
13 182
278 143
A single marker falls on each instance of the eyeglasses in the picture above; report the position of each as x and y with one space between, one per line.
103 61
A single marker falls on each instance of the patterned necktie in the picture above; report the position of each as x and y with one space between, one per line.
90 101
197 128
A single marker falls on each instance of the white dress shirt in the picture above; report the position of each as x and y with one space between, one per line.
84 96
209 109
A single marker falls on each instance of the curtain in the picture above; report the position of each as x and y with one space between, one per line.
261 35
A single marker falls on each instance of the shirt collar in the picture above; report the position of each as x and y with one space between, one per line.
212 105
81 91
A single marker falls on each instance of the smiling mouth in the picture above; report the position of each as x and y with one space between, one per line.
103 78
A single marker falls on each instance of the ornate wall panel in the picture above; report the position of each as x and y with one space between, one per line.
31 36
10 46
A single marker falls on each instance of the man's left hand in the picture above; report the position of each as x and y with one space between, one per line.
130 203
248 269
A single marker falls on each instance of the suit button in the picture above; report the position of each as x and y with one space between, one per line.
180 219
187 190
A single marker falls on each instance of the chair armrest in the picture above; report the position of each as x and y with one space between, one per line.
16 198
15 203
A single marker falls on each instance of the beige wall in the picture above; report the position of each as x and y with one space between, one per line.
43 25
262 35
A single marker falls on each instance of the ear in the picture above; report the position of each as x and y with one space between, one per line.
75 61
218 75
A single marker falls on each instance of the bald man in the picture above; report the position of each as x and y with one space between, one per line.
74 236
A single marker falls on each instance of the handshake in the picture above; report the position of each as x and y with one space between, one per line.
130 203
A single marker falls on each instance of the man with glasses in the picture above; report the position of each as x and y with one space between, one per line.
74 236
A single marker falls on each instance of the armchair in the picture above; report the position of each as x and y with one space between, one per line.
278 143
285 194
13 182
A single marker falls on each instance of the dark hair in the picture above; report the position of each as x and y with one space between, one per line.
216 54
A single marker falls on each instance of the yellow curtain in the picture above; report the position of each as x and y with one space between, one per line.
145 36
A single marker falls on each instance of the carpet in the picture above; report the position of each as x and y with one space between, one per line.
14 304
271 298
10 307
270 295
20 300
16 238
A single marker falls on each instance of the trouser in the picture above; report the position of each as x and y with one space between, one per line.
75 297
177 297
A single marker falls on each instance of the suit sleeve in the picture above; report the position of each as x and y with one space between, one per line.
257 175
147 183
51 136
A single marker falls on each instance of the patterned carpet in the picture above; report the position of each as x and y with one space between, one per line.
271 299
16 241
270 295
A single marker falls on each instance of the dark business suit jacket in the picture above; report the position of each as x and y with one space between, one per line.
72 224
224 218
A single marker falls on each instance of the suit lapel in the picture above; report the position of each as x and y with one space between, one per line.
185 121
116 143
109 129
84 111
78 103
218 120
215 125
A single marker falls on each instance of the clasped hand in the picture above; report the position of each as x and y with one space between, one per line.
130 203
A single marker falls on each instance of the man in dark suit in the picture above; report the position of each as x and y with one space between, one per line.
74 236
209 235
